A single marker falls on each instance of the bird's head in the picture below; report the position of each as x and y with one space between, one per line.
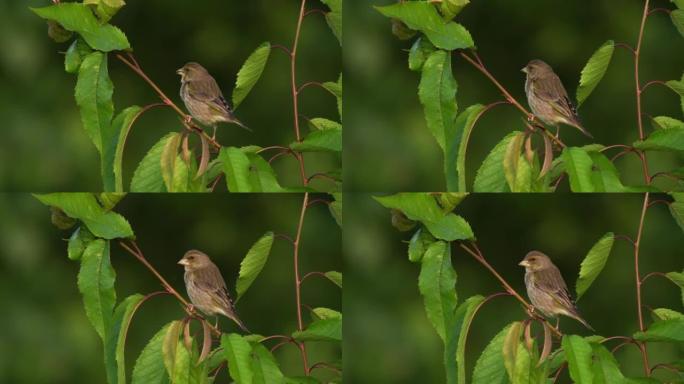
535 261
191 70
194 259
536 67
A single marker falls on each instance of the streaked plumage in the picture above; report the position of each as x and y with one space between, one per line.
206 287
203 98
548 98
546 288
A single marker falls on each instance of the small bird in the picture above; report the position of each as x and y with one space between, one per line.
547 97
206 287
203 98
546 288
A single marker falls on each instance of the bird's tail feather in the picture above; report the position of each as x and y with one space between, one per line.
238 122
584 322
239 323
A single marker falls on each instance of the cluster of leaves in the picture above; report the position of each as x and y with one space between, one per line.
513 165
512 356
168 357
170 165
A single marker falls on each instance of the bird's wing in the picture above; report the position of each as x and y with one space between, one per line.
551 90
550 280
209 92
210 280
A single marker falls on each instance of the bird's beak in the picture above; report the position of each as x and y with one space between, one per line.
524 263
524 70
179 71
183 262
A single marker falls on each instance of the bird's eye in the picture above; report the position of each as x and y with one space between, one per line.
191 257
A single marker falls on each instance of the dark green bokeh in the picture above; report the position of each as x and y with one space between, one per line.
44 147
46 337
388 129
387 331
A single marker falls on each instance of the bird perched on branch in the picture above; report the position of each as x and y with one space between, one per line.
546 288
203 98
547 97
206 287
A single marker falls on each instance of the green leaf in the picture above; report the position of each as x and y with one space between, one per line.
148 175
578 354
238 353
593 263
335 88
168 158
109 200
250 72
423 207
322 124
236 168
677 17
84 206
678 279
113 146
77 51
334 17
80 19
185 370
335 208
578 166
423 16
605 368
677 211
262 177
326 313
94 92
678 87
451 8
511 159
458 145
463 318
321 330
253 263
115 343
671 330
335 277
666 122
170 346
78 242
437 93
149 367
96 284
264 366
605 176
105 9
666 314
420 51
490 176
436 283
594 70
329 140
663 140
420 241
490 368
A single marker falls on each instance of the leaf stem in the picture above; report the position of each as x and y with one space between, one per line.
298 280
638 91
639 282
293 89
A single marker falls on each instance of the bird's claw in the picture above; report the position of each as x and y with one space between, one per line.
531 117
188 119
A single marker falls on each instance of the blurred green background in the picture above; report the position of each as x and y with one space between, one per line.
388 335
388 127
44 147
46 337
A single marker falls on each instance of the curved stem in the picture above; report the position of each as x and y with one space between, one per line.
312 274
638 91
648 275
652 82
627 47
309 84
319 201
477 308
321 175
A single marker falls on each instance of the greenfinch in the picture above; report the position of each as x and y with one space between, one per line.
547 97
546 288
203 98
206 287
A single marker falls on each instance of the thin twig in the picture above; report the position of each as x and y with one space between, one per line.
637 243
309 84
298 281
293 89
312 274
652 82
648 275
638 90
321 175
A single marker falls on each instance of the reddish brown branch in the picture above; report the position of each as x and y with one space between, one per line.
298 280
293 89
638 90
638 281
